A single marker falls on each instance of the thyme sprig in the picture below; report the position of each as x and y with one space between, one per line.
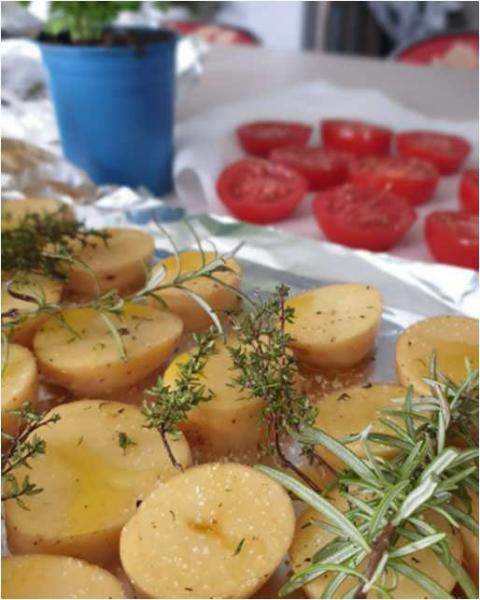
172 403
268 371
387 500
22 448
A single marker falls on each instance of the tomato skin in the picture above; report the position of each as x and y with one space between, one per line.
260 191
356 137
358 217
411 178
452 238
259 138
468 191
446 152
321 167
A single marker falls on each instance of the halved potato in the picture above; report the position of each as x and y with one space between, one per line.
118 263
353 409
100 463
19 384
335 326
81 354
218 297
453 339
43 576
13 211
219 530
228 424
310 538
29 285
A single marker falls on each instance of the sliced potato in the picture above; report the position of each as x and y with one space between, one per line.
30 285
217 296
470 541
309 539
219 530
19 384
118 263
350 411
92 480
228 423
452 338
335 326
43 576
82 355
13 211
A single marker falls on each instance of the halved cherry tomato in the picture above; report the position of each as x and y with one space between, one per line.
358 217
321 167
357 137
261 137
260 191
452 237
412 178
446 152
469 191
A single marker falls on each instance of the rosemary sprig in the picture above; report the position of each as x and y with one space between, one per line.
388 499
171 404
22 448
268 371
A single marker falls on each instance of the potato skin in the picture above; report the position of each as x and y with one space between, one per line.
119 263
353 409
227 425
44 576
219 298
24 332
89 363
219 530
310 539
19 385
452 338
335 326
91 484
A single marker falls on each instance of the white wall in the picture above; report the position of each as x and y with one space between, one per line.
277 24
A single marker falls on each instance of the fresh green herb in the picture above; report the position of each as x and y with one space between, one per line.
172 404
238 549
268 371
124 441
22 448
385 521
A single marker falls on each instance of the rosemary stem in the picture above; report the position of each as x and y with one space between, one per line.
381 543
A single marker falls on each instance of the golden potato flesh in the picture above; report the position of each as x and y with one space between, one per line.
19 384
228 423
335 326
13 211
219 530
33 286
217 296
118 263
352 410
452 338
310 538
43 576
81 355
100 463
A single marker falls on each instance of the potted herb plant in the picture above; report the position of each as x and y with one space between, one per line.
113 92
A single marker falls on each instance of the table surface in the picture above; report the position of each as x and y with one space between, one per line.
235 73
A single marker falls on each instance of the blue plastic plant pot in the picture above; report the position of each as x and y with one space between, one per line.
115 110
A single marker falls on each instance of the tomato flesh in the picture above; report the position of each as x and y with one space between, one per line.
321 167
412 178
261 137
452 237
260 191
357 137
358 217
469 191
446 152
